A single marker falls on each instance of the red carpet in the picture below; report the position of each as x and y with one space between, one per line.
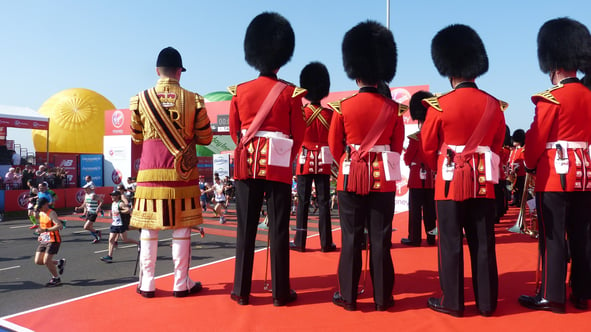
314 278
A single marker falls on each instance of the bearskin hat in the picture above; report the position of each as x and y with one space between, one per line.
418 111
507 141
314 78
564 43
519 136
458 51
369 53
269 42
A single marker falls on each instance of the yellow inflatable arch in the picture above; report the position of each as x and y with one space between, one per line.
76 122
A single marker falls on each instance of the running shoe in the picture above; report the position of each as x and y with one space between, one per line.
61 265
34 226
201 232
222 220
64 223
107 259
53 282
98 235
95 241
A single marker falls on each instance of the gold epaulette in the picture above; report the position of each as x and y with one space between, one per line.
401 109
298 91
134 103
232 90
414 136
199 101
547 95
336 106
504 105
433 102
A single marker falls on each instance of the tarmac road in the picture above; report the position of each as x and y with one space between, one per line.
22 283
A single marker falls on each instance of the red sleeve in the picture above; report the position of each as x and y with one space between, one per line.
298 125
398 135
411 151
499 138
336 136
234 120
430 137
537 135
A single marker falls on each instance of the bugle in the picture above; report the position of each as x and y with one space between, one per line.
522 224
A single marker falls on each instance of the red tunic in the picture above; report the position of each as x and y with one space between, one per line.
414 158
318 122
563 113
354 117
286 116
516 161
451 119
504 160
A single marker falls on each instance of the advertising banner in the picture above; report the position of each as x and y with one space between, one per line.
117 162
221 165
117 122
92 164
69 162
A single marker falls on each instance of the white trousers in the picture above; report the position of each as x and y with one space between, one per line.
181 256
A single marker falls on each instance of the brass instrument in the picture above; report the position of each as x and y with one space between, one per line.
525 225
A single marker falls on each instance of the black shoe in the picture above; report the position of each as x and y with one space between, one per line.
338 299
293 247
54 281
331 247
146 294
281 302
435 304
194 290
431 240
486 313
539 303
578 302
408 242
61 265
242 300
383 307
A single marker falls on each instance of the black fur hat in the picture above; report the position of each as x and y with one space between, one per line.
507 141
519 136
314 78
564 43
269 42
369 53
458 51
418 111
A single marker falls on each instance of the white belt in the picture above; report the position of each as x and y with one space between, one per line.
460 148
263 133
375 148
567 145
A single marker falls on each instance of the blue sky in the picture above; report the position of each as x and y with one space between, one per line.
111 46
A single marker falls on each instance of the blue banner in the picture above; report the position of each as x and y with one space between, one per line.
92 164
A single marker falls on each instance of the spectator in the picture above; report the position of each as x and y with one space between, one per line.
41 174
10 179
28 175
16 158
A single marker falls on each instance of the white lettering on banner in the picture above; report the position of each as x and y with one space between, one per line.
66 163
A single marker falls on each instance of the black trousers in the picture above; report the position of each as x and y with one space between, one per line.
477 218
249 199
565 215
518 190
421 206
500 199
378 210
322 182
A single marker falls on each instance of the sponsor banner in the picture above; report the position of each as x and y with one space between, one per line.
117 160
69 162
117 122
26 124
92 164
17 200
221 165
205 167
2 133
2 201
